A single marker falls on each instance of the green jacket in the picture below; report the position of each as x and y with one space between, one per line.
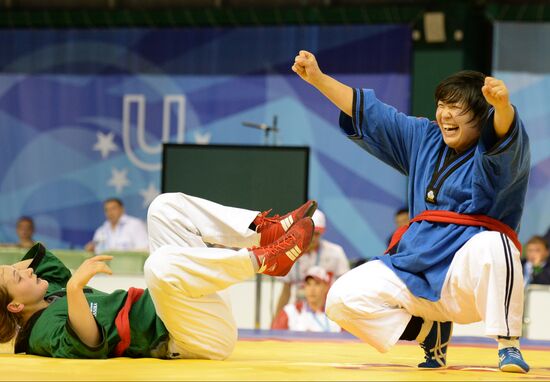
48 333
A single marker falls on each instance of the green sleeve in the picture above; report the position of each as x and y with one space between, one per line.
47 266
61 341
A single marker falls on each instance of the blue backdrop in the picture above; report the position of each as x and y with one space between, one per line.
83 114
522 60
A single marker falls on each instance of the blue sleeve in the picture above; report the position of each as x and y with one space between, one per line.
505 161
389 135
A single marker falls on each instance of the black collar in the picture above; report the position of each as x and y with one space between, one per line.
22 340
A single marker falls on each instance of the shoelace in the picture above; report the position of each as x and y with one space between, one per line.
438 355
513 352
279 245
267 219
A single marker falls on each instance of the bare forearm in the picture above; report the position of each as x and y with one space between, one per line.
497 95
338 93
80 316
305 65
504 116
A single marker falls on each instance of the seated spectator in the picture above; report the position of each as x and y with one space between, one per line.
330 256
309 315
357 262
401 218
536 267
120 232
25 231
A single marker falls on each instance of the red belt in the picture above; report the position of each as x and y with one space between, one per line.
122 321
437 216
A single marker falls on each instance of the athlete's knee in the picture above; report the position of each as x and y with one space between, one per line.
159 204
150 266
156 269
346 302
219 346
227 346
336 298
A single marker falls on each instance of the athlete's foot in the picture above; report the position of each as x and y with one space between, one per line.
510 360
435 345
271 228
277 258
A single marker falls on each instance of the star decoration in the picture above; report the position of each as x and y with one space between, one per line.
149 194
119 179
105 144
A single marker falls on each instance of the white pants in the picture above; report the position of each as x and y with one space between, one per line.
483 283
185 276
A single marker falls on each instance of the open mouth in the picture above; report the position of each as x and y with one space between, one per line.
450 128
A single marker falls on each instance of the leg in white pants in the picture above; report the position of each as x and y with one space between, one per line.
185 276
484 282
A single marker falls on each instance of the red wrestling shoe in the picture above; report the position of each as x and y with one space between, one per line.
277 258
272 228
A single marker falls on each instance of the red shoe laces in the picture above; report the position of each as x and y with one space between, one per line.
280 245
267 219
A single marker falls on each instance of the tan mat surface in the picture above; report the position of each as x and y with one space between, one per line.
261 360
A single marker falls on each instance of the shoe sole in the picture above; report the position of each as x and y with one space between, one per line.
433 368
311 210
511 368
309 213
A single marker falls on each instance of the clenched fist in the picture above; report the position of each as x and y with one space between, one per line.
305 65
495 92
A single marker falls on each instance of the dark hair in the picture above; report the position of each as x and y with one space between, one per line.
537 239
402 210
116 200
10 321
464 87
26 219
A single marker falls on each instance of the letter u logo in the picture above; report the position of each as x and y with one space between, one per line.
139 101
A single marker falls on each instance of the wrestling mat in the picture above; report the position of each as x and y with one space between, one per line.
272 355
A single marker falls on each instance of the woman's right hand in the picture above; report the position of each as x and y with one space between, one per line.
88 269
305 65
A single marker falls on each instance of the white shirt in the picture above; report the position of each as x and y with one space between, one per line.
130 234
329 256
301 318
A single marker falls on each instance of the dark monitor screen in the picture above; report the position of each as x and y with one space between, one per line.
252 177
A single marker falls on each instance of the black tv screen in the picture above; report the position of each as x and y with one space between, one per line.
252 177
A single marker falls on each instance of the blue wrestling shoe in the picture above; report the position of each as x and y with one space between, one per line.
510 360
435 345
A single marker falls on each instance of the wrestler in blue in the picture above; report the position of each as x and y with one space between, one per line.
459 258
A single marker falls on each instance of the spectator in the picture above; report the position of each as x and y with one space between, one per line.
401 218
25 231
120 232
536 267
328 255
547 236
309 315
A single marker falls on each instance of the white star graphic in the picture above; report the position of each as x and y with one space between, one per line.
105 144
202 139
149 194
119 179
